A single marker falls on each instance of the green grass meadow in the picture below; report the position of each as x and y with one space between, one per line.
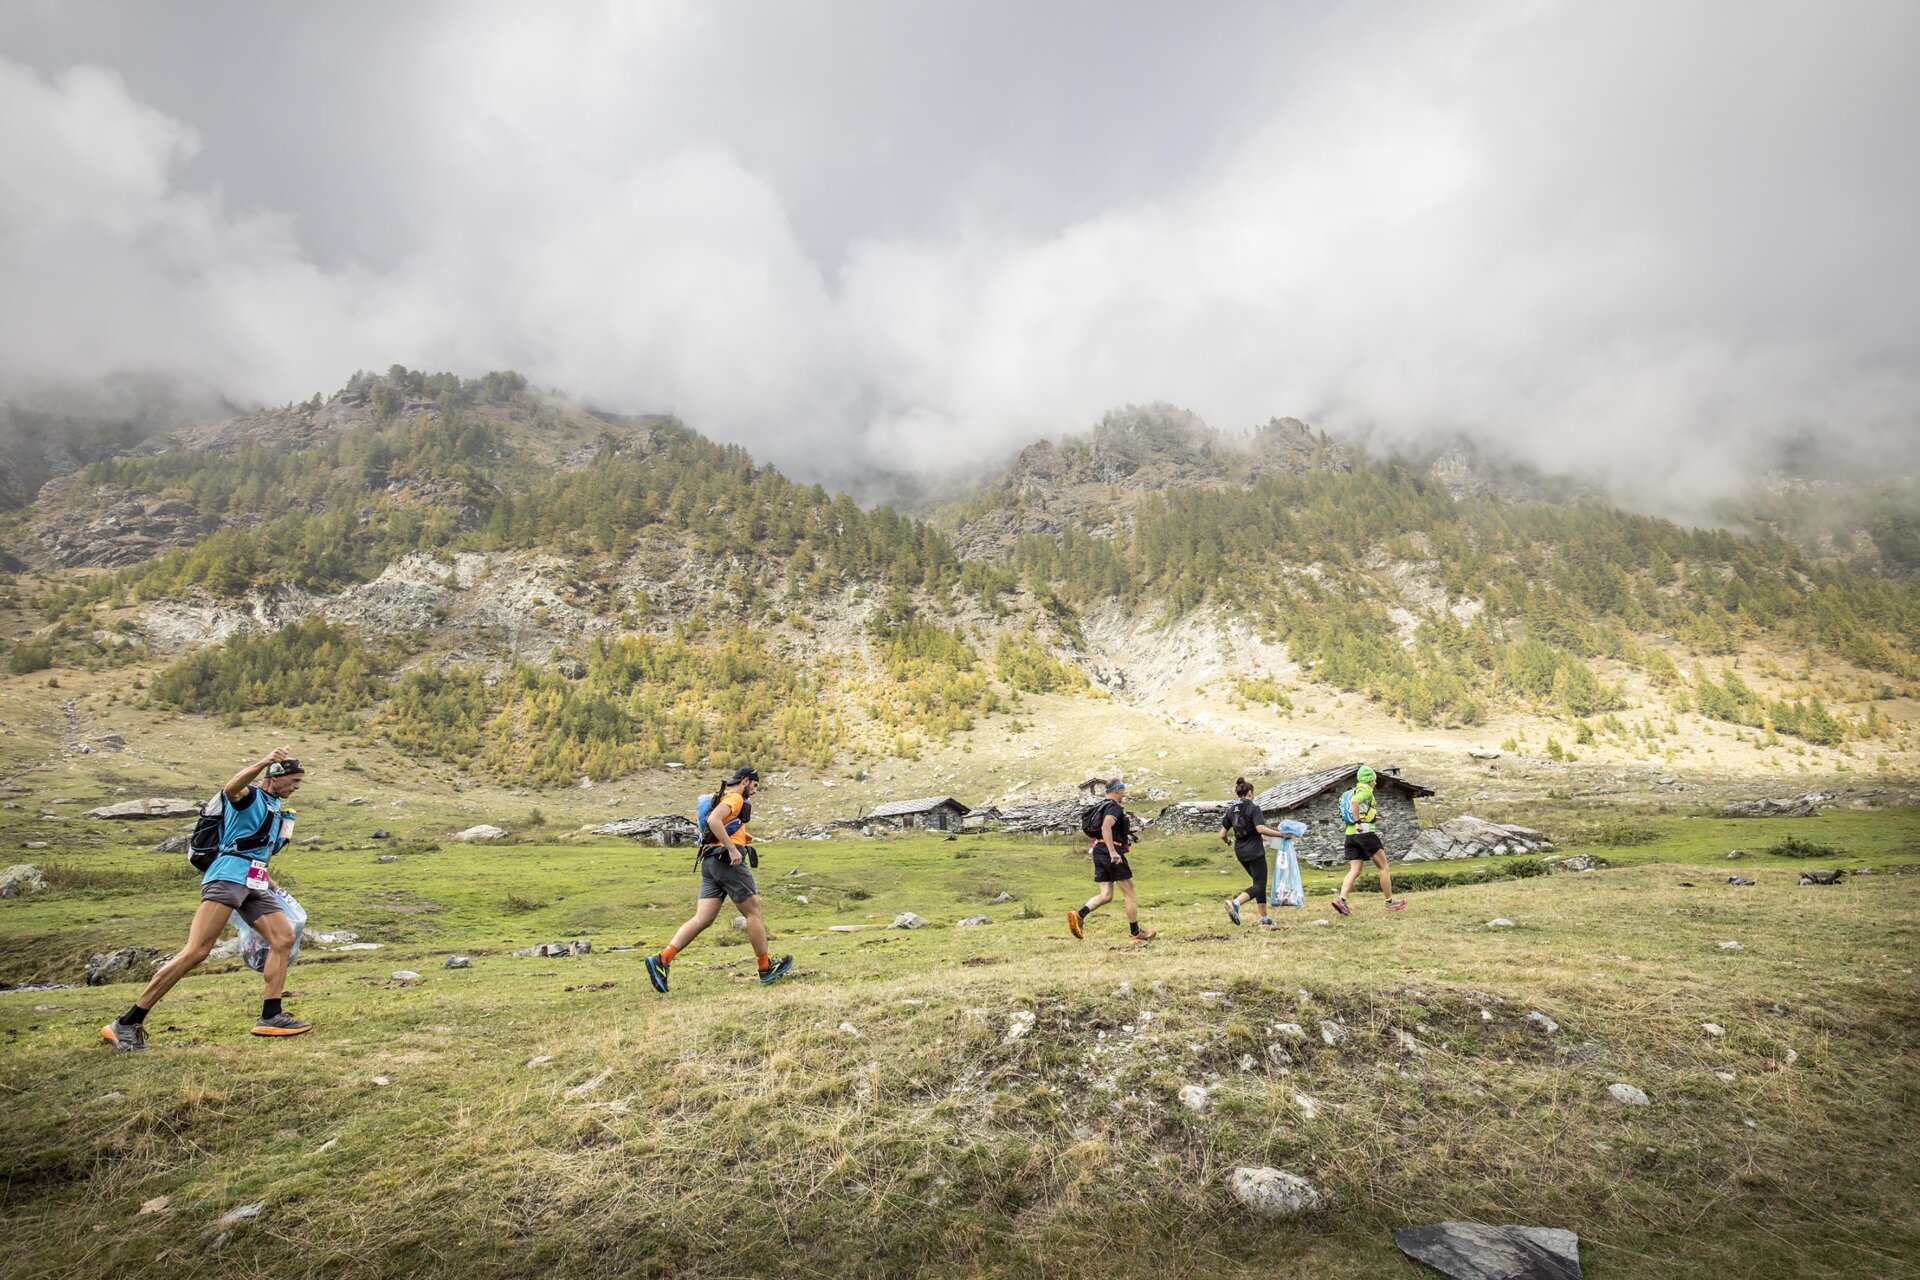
872 1115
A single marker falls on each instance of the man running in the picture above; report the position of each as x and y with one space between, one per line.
724 842
250 834
1363 844
1110 866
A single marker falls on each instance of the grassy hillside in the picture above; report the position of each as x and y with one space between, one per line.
872 1117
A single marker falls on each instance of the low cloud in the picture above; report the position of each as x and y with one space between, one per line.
1649 246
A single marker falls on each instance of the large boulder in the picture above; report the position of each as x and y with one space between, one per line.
152 807
1469 837
1805 806
128 964
481 834
1476 1251
22 879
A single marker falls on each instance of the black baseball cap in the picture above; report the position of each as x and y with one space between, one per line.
284 768
745 773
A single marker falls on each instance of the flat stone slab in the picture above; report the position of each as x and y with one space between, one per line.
153 807
1476 1251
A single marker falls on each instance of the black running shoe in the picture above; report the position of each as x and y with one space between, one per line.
657 974
776 971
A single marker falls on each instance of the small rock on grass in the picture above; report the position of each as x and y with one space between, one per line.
1541 1020
1713 1029
1195 1097
1018 1025
1274 1193
848 1029
459 962
242 1213
1308 1107
159 1204
1731 946
405 975
1499 922
971 921
908 920
1333 1033
588 1086
1627 1095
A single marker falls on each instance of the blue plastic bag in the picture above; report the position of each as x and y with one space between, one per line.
253 947
1287 890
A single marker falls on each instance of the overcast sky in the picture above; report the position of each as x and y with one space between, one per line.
1638 241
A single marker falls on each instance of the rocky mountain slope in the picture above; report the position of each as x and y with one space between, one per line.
590 587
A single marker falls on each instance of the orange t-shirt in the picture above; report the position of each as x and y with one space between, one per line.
729 807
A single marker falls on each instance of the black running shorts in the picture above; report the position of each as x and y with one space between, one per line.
1108 869
1257 869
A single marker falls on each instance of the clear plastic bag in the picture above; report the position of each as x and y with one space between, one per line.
1287 890
253 947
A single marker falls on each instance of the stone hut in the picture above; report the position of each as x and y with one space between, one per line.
667 830
980 819
935 813
1092 789
1314 798
1184 817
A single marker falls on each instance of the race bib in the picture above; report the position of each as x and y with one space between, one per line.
257 875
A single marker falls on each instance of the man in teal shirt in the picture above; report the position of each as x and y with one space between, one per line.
252 830
1363 844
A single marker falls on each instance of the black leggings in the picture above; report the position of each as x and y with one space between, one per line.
1258 870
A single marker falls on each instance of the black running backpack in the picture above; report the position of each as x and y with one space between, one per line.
203 846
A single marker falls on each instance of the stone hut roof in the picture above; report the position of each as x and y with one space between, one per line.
903 808
1294 792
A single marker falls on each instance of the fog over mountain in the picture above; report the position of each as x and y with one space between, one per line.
1652 245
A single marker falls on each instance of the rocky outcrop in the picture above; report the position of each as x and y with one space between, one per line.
1805 806
101 526
1133 451
1471 837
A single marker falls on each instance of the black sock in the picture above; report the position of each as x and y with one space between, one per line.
1133 927
1083 912
270 1008
134 1017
